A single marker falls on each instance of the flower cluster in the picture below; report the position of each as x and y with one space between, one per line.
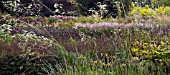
106 25
30 41
64 18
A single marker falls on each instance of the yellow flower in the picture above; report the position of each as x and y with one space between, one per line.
106 55
145 45
159 47
144 52
162 43
122 65
133 4
108 64
135 50
82 57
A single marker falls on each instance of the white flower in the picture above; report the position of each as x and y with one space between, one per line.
57 10
103 7
30 6
56 5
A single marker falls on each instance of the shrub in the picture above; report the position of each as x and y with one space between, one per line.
142 12
19 64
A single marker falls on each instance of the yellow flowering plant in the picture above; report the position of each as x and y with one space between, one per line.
142 12
149 12
163 11
150 50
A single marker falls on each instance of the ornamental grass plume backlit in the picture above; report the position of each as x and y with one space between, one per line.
106 25
64 18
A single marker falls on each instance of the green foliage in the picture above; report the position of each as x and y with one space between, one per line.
162 2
